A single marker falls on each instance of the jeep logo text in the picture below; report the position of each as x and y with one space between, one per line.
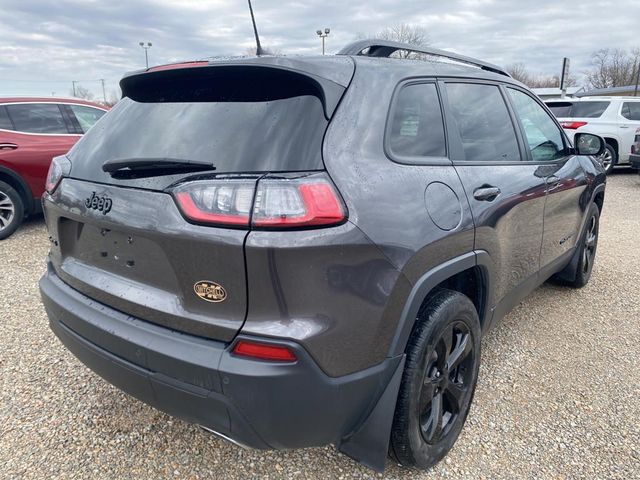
101 203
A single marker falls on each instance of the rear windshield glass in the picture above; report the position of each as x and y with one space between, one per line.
578 109
282 134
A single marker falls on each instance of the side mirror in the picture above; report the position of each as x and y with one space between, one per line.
589 144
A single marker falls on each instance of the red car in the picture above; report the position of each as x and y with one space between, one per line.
32 132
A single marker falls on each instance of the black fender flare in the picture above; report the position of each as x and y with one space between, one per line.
25 190
431 279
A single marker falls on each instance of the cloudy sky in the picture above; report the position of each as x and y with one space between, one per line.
44 45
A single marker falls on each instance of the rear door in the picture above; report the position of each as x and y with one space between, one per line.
167 246
36 133
565 177
506 192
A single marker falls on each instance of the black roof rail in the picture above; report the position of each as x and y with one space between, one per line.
384 48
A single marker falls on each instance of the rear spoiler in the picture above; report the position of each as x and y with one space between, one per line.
246 80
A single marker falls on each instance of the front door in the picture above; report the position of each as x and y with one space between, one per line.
564 175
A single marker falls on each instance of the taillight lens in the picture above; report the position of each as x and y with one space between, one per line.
60 167
279 202
302 202
217 202
264 351
572 125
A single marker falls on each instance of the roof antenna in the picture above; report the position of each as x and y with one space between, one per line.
259 50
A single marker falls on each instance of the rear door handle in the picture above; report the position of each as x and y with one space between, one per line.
624 126
486 193
8 146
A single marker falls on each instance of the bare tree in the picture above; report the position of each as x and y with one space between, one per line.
404 33
82 92
613 68
520 72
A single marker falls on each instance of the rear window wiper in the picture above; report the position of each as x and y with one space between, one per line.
147 166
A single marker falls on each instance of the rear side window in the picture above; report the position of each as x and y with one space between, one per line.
5 121
483 122
86 116
631 110
37 118
417 128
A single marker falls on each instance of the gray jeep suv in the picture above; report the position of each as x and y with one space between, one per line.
292 252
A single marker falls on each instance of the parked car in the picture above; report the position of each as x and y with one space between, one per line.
32 132
293 252
613 118
634 157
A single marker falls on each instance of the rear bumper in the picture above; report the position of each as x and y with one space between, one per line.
634 160
259 404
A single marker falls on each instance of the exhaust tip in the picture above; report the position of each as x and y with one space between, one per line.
224 437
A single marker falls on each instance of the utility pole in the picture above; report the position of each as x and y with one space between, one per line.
104 94
146 47
635 91
73 82
323 35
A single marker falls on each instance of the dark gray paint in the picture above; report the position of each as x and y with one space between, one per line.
345 298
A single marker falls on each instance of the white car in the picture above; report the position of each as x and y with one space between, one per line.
613 118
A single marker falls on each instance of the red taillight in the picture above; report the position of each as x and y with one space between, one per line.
306 202
280 202
572 125
264 351
216 202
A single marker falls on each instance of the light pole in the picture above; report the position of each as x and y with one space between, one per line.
146 47
323 35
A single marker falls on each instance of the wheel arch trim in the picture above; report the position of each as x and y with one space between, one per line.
24 190
431 279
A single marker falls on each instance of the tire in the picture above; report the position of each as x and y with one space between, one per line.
587 249
608 159
447 324
11 210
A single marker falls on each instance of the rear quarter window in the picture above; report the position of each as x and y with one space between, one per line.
589 109
416 126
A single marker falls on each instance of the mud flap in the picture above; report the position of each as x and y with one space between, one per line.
369 445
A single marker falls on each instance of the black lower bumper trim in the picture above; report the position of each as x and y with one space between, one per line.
258 404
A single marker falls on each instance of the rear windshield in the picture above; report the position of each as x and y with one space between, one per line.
281 134
578 109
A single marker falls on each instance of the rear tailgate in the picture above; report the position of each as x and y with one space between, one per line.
121 239
143 259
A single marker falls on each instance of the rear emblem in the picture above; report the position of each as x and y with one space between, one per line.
210 291
100 203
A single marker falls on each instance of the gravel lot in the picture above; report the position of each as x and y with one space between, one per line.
558 395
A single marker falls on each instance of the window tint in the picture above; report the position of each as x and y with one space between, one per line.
417 128
86 116
589 109
586 109
5 121
543 135
483 121
560 109
631 110
37 118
